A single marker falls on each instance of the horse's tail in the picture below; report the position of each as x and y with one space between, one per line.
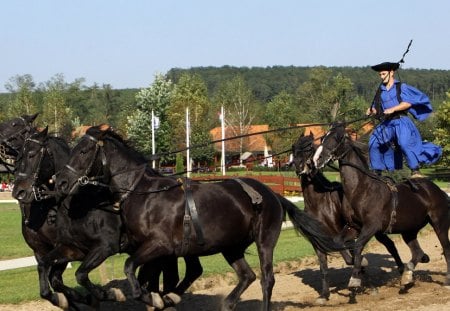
310 228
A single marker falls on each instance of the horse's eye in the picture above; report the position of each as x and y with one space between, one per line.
32 154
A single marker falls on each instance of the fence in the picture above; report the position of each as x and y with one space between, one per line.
288 186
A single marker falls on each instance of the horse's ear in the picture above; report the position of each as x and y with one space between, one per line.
311 134
44 132
30 118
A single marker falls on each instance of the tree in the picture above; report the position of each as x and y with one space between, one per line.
155 98
282 112
240 108
442 131
325 98
190 92
56 115
23 101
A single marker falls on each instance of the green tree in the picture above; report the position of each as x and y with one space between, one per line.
56 115
442 131
23 100
282 112
325 98
155 98
190 92
240 108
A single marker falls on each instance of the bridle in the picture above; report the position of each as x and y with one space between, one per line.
308 149
6 139
6 146
83 178
42 191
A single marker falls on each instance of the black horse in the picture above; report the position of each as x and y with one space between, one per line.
89 231
325 201
47 224
160 213
381 206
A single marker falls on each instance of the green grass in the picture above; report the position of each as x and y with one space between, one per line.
11 240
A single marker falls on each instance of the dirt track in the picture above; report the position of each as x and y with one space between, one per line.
297 285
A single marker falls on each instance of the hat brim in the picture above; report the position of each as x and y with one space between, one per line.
386 66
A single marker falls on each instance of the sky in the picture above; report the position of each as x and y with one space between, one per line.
126 43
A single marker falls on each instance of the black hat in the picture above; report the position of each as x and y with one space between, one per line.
386 66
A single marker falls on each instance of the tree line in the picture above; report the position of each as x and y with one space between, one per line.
278 96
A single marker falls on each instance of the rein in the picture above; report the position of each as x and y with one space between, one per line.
96 180
388 182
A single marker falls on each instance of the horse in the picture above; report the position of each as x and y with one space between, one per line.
165 215
87 233
325 201
382 206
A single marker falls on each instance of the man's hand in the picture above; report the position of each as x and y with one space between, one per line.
371 111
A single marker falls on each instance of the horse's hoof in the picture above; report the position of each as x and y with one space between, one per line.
364 262
407 277
118 294
410 265
173 298
157 301
320 301
63 303
354 282
425 258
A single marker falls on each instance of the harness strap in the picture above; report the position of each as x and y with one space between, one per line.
251 192
392 187
190 216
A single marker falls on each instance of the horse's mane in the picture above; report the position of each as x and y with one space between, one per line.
61 142
125 144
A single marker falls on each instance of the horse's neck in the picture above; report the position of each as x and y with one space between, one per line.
351 168
60 154
128 177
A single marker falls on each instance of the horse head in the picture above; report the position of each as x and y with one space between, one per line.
303 150
39 159
14 132
98 154
332 146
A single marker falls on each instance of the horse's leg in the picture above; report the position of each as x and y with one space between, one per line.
146 253
417 255
44 272
193 271
149 274
92 260
325 291
441 226
390 246
245 274
365 235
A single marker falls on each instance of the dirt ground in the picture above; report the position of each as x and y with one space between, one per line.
297 285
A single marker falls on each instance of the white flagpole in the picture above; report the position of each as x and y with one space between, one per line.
188 132
222 123
153 139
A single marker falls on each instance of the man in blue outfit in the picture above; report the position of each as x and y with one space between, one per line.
396 135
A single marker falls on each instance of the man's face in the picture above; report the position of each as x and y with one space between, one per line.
385 75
